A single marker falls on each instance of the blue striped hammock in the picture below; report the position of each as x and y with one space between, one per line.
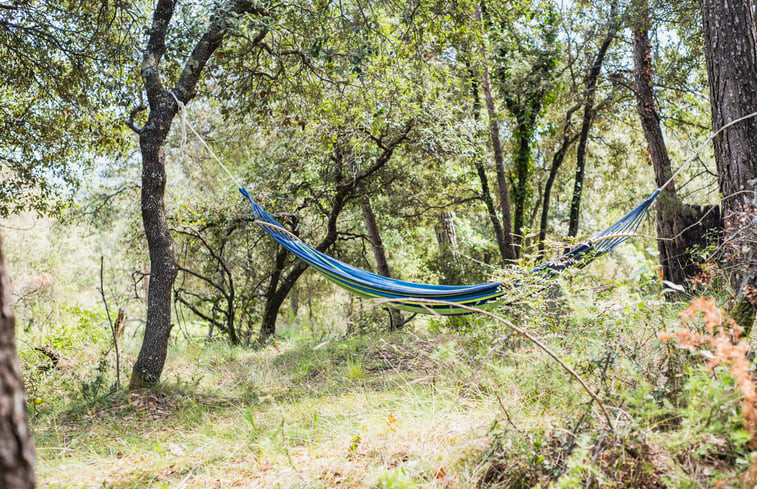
401 293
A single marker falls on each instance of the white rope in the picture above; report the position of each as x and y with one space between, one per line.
184 124
705 143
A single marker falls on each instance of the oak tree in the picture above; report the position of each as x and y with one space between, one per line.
163 105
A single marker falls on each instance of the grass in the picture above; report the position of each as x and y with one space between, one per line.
453 404
270 419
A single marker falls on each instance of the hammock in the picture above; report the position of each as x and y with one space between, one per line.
373 286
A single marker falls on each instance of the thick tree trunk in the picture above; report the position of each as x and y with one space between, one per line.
163 270
588 118
16 448
511 253
730 38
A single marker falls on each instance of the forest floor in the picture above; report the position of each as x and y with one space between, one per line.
351 414
467 405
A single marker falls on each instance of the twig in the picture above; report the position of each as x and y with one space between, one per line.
112 326
49 353
597 451
507 413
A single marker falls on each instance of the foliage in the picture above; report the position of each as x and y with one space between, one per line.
60 103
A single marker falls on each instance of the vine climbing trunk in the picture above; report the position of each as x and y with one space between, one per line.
526 91
730 41
16 448
526 117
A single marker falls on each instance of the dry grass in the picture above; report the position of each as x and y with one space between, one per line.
244 423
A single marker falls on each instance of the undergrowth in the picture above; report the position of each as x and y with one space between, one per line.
448 403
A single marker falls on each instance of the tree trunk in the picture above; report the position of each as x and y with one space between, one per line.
486 194
588 117
511 253
730 38
379 253
274 297
16 448
294 301
526 118
669 245
446 238
557 161
162 109
163 270
374 236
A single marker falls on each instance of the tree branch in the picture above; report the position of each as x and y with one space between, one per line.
130 122
156 47
207 45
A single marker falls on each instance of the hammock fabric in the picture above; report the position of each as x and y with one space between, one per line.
372 286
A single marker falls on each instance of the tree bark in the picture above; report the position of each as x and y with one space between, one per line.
681 228
675 260
588 118
374 236
557 161
486 194
730 38
379 253
524 133
16 448
162 110
274 296
446 239
152 355
510 252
